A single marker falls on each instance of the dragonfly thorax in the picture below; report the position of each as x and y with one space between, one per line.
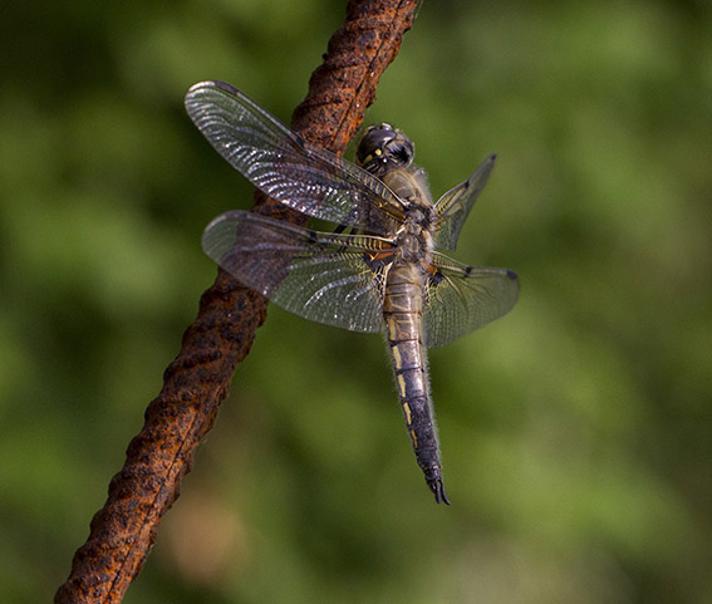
421 215
414 243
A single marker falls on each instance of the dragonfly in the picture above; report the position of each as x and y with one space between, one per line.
386 275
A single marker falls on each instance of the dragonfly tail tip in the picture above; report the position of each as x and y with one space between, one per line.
438 489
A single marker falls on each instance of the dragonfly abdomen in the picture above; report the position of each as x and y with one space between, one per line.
403 310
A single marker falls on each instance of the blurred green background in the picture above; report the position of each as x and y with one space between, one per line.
576 432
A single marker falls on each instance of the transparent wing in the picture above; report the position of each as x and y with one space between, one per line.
282 165
460 298
454 206
323 277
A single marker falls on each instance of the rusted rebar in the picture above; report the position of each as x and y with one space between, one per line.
198 380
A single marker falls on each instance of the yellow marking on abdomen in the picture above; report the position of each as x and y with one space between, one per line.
414 438
401 384
408 416
397 359
392 329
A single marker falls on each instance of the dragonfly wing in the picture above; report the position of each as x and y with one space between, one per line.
461 298
332 279
282 165
454 206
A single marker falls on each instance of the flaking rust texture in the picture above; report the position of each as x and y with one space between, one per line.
221 336
344 85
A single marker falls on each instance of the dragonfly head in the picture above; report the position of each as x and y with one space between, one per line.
383 148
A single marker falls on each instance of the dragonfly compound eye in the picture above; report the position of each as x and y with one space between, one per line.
383 147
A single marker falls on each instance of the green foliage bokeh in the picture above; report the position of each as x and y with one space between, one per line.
576 432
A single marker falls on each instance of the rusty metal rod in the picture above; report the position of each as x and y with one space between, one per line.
220 337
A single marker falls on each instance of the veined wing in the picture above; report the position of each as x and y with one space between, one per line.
333 279
285 167
460 298
454 206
